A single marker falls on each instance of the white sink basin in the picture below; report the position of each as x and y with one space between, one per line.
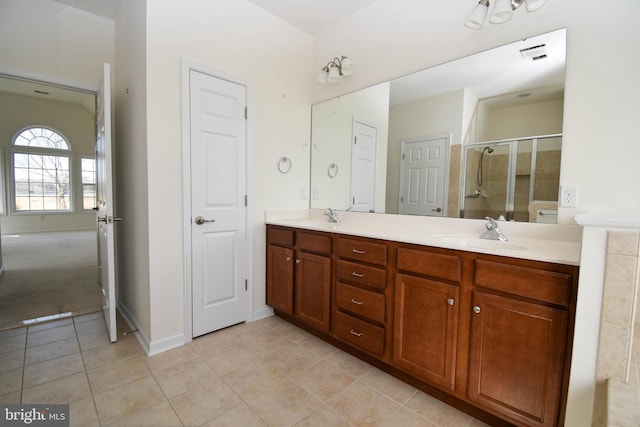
477 243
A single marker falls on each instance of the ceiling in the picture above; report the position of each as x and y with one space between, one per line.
312 16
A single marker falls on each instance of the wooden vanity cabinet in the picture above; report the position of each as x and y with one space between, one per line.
426 314
299 275
361 317
520 328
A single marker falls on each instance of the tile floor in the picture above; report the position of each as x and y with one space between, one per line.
264 373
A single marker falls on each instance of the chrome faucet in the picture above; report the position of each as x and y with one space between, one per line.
493 232
333 215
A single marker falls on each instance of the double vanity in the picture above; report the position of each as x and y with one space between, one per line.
484 325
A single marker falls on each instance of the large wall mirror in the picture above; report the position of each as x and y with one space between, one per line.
479 136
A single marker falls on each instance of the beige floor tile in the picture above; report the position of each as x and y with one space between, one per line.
292 332
390 386
97 339
98 356
317 346
7 333
11 398
180 378
284 405
205 402
272 322
50 335
255 377
233 359
90 326
291 358
247 331
87 317
11 360
354 366
50 325
215 342
12 343
11 380
63 390
83 414
128 399
323 380
363 406
117 373
160 415
267 342
437 411
406 418
323 417
240 416
171 358
43 372
52 350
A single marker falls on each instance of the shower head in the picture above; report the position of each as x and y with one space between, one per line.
489 149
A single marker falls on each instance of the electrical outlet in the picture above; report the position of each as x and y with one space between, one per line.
568 196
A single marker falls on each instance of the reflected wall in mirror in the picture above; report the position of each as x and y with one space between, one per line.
511 93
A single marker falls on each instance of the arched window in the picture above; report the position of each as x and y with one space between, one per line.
41 171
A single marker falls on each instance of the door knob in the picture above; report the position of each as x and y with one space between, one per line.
437 210
200 220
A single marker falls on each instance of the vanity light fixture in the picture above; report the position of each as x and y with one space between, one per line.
501 13
335 69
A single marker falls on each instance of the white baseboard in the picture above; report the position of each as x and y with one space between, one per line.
262 313
151 347
130 319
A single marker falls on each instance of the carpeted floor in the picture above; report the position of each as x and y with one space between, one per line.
47 274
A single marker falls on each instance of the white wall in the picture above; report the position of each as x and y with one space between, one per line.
131 175
49 41
238 38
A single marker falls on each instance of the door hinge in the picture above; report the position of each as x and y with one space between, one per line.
401 199
246 284
355 139
246 113
245 200
402 156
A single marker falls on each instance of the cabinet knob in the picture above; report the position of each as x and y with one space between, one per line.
450 301
288 258
298 261
476 309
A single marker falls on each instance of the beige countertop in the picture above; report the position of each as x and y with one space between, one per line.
541 242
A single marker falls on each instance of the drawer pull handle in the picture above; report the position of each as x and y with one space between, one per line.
358 334
353 273
357 302
450 301
358 251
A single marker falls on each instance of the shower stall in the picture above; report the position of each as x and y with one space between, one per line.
516 179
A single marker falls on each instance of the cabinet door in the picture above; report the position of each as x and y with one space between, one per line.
313 287
425 328
280 267
516 359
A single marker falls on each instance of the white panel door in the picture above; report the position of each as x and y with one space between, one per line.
218 198
423 172
363 167
104 198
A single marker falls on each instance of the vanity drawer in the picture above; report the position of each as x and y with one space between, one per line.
543 285
360 301
428 263
361 274
280 236
313 242
361 250
360 334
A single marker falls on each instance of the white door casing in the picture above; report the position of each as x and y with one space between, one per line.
363 166
105 198
423 172
218 143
